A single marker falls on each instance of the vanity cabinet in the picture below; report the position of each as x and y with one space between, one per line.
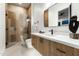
51 48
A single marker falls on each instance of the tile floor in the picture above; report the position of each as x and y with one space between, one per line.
19 50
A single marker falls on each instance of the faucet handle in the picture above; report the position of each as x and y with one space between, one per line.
49 30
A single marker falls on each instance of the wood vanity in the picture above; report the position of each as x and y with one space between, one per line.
51 48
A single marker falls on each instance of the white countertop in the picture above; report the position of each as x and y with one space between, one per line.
66 40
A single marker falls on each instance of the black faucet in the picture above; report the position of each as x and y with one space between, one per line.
51 31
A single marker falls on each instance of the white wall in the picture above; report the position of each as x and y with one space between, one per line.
2 27
53 12
37 17
48 5
75 9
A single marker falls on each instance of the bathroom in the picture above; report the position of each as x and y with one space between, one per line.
39 29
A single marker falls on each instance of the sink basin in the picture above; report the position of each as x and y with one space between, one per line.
61 36
55 35
47 34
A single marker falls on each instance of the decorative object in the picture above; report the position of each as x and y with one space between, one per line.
73 27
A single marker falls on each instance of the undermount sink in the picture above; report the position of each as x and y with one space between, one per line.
47 34
55 35
61 36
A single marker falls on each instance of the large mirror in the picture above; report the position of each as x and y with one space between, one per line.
57 15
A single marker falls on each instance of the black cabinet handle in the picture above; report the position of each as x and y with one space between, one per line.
60 51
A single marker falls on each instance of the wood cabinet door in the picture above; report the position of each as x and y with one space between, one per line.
37 43
43 46
40 46
46 47
34 41
52 48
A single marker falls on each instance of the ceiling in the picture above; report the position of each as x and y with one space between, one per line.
24 5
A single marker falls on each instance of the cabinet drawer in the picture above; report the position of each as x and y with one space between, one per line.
63 49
